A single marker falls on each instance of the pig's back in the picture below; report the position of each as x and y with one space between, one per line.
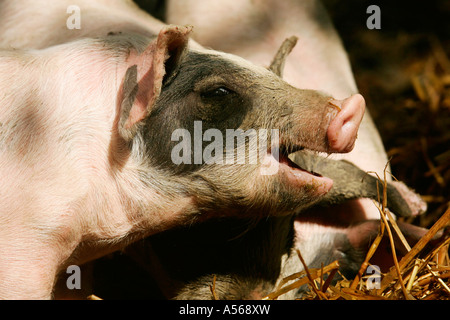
50 21
54 126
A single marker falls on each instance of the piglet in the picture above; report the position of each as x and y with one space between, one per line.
102 132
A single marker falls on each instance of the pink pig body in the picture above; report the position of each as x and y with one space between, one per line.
69 189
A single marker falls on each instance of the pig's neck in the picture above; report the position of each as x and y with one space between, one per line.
123 208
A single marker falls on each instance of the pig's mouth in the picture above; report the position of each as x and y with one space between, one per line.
295 176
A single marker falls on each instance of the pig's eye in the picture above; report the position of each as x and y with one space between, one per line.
217 93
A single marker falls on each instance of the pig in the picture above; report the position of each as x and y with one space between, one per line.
86 136
255 29
248 258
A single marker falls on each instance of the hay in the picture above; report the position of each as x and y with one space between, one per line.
411 278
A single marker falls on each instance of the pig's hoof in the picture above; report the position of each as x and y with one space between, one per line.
416 204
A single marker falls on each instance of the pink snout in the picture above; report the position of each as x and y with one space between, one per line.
343 129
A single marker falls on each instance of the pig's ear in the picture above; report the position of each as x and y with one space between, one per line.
143 82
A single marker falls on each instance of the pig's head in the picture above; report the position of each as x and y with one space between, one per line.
191 113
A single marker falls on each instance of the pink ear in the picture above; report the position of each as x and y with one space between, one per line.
143 81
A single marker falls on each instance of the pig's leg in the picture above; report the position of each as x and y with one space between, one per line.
350 182
255 30
28 269
33 247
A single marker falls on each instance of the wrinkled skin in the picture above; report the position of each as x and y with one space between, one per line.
86 130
